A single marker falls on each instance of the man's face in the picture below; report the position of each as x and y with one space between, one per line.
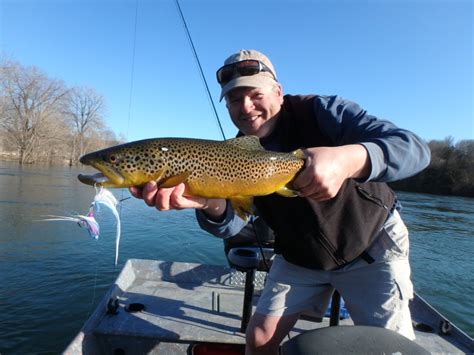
254 110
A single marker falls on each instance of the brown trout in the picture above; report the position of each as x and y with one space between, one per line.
236 169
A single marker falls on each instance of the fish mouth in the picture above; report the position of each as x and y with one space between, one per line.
95 179
108 176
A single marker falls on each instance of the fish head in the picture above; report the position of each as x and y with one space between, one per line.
119 166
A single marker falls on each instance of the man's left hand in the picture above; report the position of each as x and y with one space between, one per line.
327 168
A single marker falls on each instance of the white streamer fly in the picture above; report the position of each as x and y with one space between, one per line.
103 197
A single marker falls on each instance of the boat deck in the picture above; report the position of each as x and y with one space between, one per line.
187 303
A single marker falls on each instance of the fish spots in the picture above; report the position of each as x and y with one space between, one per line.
211 165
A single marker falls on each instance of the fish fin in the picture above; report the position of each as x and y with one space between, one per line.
246 142
175 180
287 192
159 176
242 205
298 153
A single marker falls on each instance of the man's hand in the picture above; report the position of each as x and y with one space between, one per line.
327 168
173 198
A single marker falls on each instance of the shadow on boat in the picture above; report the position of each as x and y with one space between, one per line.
169 307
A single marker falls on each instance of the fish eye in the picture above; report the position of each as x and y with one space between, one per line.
110 158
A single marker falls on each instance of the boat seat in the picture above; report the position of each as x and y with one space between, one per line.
249 251
252 237
356 339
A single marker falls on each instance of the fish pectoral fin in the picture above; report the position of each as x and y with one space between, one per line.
287 192
242 205
251 143
157 178
299 153
175 180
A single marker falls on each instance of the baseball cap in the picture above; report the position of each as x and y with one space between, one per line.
266 76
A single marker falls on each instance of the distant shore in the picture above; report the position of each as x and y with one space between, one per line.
430 181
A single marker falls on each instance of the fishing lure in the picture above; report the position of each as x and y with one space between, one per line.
88 222
104 198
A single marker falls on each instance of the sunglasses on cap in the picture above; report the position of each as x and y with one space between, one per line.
245 67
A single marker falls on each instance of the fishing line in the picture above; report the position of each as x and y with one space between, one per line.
132 80
130 95
130 98
96 250
198 63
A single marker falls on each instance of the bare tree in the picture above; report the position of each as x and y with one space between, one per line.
41 119
30 107
102 139
85 111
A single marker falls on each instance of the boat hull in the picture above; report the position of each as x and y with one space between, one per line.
167 307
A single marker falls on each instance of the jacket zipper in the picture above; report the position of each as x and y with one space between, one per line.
371 197
331 250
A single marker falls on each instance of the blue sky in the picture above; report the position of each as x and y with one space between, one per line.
409 61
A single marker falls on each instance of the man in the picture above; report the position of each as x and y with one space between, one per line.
344 230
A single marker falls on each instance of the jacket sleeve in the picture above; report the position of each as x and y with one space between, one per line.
228 227
394 153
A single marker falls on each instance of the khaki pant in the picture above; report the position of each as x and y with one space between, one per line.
375 294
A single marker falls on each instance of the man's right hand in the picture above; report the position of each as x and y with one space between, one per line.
174 198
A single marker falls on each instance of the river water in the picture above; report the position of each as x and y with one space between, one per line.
52 274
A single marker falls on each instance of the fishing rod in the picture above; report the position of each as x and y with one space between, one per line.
191 43
193 48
